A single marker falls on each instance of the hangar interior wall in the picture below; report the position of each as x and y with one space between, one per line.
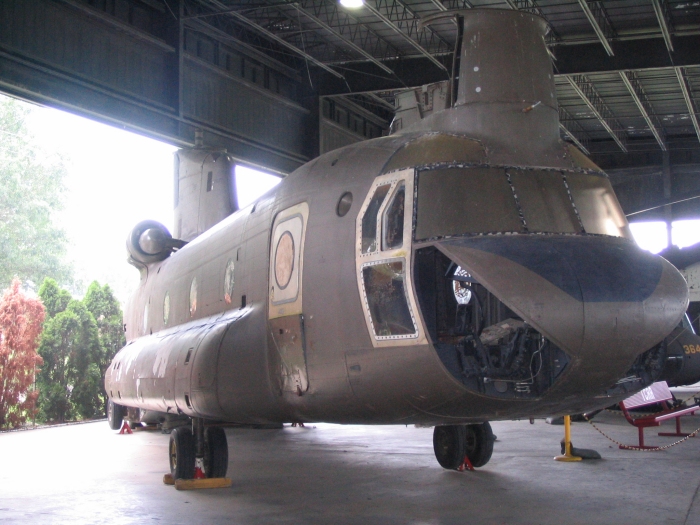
143 68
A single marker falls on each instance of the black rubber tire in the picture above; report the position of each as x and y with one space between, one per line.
478 443
449 444
215 452
181 453
115 415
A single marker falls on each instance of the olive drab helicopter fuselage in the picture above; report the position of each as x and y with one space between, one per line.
468 267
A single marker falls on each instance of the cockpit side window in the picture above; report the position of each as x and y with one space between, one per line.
383 261
384 286
369 220
394 219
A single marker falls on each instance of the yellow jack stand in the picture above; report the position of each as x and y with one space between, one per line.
190 484
568 456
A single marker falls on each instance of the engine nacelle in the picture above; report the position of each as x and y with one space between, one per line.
150 242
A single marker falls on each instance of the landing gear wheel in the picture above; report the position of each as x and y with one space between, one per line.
449 444
115 415
181 452
478 445
215 452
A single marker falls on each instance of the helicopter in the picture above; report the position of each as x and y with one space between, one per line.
469 267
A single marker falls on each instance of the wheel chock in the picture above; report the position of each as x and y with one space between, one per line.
466 465
206 483
168 479
126 429
147 428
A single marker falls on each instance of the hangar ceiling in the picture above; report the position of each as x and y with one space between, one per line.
251 73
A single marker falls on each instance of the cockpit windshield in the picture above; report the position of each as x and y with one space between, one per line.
477 200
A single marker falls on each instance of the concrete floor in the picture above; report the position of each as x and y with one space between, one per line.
331 474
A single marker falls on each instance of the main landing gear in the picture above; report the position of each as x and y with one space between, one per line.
454 443
115 414
196 452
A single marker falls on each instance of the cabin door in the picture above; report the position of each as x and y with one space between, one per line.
286 316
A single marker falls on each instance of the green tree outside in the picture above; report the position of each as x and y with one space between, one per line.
77 345
31 193
104 307
54 297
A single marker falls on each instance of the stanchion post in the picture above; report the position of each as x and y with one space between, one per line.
568 456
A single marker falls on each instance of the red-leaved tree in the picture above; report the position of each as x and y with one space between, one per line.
21 318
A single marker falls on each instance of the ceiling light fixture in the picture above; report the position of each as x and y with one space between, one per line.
352 4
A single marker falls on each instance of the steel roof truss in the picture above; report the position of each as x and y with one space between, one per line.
683 81
588 93
224 8
405 24
573 130
342 38
532 7
663 15
598 18
351 28
450 5
640 98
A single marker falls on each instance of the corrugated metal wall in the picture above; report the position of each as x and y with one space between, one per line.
344 123
119 62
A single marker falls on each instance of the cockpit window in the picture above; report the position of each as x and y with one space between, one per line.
544 201
369 221
454 201
386 296
384 276
393 220
463 201
597 205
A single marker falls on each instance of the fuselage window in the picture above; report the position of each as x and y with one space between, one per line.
369 220
193 297
166 308
284 260
393 220
229 281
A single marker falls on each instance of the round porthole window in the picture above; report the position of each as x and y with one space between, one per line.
166 308
344 204
228 281
193 297
284 260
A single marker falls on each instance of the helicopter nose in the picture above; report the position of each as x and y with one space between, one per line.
602 300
